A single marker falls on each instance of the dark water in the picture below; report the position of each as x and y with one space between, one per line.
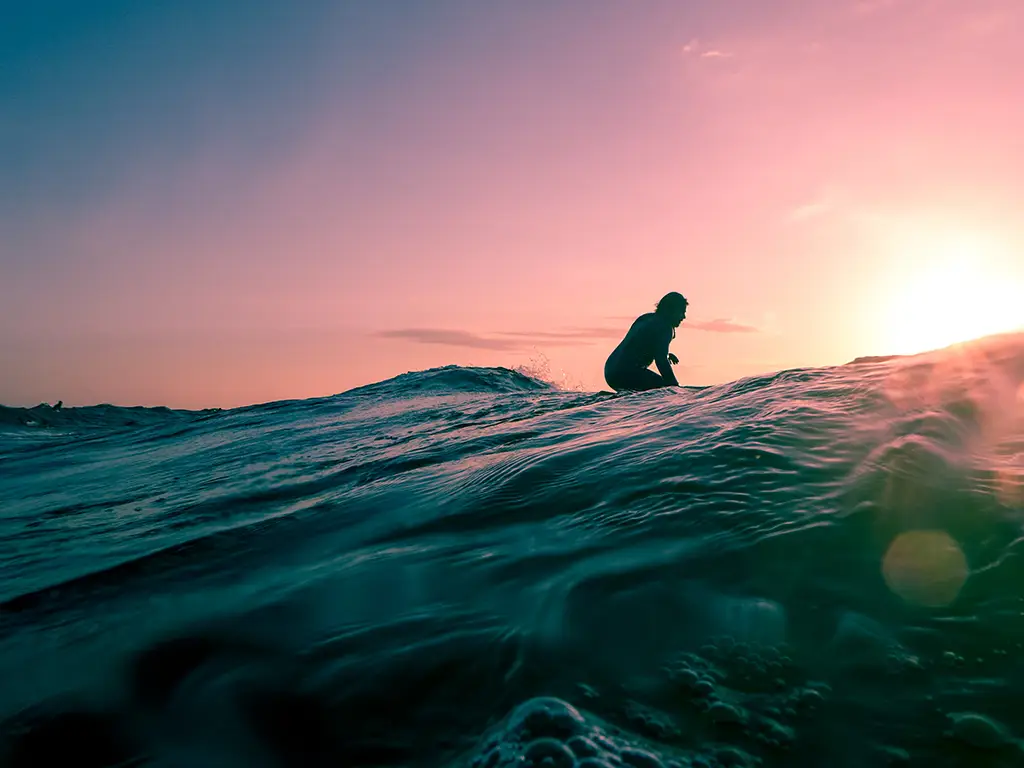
469 567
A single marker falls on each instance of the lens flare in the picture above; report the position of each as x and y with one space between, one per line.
925 568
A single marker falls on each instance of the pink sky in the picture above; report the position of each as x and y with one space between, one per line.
499 183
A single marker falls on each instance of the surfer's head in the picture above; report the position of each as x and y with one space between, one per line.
673 306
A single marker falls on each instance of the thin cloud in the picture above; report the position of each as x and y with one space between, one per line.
506 341
810 210
869 7
696 48
450 338
572 334
828 200
984 24
502 340
718 326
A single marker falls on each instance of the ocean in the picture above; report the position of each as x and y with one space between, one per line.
472 567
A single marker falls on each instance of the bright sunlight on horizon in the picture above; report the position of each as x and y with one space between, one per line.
952 287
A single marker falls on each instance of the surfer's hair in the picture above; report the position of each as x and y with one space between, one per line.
671 302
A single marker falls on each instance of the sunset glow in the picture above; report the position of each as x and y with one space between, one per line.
227 203
954 296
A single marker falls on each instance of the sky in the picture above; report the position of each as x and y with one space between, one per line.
223 203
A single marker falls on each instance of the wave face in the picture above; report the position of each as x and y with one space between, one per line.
471 567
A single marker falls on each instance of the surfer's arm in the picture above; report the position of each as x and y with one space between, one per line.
665 369
662 360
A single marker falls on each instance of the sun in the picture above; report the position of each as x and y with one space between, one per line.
950 295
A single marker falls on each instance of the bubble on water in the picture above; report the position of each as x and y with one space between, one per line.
977 730
650 722
720 712
734 757
581 746
891 756
704 687
549 753
604 743
640 758
694 676
925 567
774 734
687 678
547 717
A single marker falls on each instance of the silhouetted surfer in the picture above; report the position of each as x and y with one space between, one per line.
646 342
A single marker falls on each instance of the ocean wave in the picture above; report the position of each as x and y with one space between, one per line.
472 567
451 379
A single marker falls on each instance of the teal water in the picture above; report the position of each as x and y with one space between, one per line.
471 567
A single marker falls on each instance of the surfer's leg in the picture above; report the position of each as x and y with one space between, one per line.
648 379
636 380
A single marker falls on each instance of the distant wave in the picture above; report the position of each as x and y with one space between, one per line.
455 379
45 415
450 379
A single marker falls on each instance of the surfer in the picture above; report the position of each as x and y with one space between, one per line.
646 342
